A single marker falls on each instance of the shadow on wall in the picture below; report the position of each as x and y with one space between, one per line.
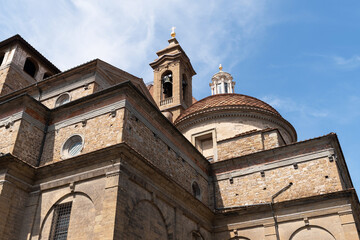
146 218
47 155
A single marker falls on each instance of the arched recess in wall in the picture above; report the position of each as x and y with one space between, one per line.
46 75
166 85
184 86
146 222
312 232
196 235
30 67
82 217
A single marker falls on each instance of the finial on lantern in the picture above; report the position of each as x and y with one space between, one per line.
220 68
173 34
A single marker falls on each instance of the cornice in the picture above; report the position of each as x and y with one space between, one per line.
231 111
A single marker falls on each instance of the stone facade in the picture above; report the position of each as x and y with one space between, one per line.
132 172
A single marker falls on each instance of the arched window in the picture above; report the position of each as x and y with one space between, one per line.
30 67
62 99
46 75
184 86
2 55
167 84
196 190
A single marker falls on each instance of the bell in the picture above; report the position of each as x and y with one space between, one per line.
167 80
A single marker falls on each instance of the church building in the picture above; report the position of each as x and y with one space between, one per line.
94 153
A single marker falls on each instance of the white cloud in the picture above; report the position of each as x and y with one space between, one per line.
349 63
339 61
287 105
128 33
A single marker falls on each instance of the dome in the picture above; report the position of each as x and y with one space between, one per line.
234 114
226 101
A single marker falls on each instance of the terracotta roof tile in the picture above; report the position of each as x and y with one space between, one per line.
227 100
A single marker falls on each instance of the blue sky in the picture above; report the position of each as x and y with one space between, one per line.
302 57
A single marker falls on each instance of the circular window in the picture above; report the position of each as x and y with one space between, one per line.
62 99
72 146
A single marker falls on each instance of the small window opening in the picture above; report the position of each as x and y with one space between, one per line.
218 86
226 87
167 85
30 67
184 86
2 55
204 144
60 221
46 75
196 190
62 99
72 146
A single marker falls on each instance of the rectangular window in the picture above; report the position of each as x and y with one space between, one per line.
218 86
226 87
60 221
204 144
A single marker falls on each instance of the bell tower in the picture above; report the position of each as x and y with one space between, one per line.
172 79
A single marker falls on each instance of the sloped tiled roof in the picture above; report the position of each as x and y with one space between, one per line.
227 100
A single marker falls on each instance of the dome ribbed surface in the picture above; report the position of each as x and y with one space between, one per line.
227 100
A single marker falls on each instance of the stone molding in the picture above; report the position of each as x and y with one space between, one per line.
273 165
281 122
19 116
77 83
88 115
100 171
268 221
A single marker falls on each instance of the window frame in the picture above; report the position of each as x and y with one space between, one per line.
68 143
36 66
57 104
57 227
200 135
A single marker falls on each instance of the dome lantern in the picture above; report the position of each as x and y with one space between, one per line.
222 82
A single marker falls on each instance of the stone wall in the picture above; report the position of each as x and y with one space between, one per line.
74 95
11 80
8 137
326 218
99 132
272 139
12 205
28 143
248 143
315 177
161 156
3 88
